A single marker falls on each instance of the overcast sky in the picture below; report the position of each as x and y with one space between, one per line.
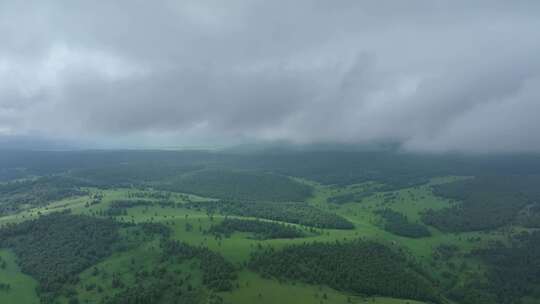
433 75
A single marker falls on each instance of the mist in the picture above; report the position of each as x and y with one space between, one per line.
433 76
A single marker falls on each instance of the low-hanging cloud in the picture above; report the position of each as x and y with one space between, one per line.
432 75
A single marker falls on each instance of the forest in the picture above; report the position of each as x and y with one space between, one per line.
55 247
119 207
362 267
225 227
294 213
530 215
514 268
15 195
132 174
218 273
261 229
482 203
239 185
398 224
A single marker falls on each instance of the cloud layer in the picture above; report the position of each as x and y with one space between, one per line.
433 75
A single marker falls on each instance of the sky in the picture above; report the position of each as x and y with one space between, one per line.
431 75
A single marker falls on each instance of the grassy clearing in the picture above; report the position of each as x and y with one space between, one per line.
22 286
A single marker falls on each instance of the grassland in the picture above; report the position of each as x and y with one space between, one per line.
22 286
190 225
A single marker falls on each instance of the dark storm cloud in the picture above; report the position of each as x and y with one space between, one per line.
433 75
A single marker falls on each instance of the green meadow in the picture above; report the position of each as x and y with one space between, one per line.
190 226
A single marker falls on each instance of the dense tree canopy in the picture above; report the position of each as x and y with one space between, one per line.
295 213
218 273
261 229
397 223
484 202
240 185
359 266
55 248
133 174
514 270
